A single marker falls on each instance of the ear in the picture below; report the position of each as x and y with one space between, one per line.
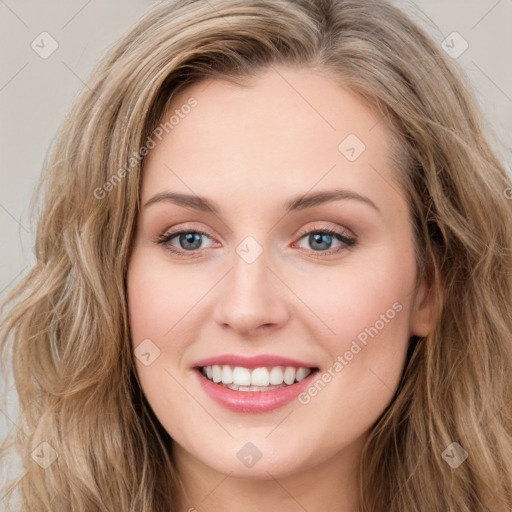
423 308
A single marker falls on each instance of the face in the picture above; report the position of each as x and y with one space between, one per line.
260 275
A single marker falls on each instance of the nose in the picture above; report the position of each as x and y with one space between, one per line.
252 298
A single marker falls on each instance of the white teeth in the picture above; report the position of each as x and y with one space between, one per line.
257 379
217 373
227 375
260 377
241 376
251 388
289 375
302 373
276 375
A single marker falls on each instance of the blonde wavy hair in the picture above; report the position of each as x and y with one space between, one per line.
67 321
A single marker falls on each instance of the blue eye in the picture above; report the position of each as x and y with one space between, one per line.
190 241
318 238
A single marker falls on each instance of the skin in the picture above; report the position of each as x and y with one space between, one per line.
249 149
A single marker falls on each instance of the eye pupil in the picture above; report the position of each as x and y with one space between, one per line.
319 238
191 238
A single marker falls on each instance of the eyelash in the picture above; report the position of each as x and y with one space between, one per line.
349 242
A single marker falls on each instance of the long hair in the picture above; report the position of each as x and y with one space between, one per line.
67 322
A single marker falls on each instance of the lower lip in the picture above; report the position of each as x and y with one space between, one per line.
253 401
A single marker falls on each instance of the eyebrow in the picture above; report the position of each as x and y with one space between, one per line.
296 203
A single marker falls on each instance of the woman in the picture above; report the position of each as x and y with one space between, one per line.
188 339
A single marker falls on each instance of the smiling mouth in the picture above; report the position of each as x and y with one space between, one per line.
265 378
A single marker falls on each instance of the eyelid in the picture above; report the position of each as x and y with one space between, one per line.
323 227
187 227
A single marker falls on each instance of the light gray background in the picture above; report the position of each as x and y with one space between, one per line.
35 94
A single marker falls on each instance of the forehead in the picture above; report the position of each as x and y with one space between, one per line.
284 129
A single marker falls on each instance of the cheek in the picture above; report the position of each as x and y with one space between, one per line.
364 328
156 297
155 300
365 299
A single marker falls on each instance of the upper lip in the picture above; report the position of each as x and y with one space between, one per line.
252 362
